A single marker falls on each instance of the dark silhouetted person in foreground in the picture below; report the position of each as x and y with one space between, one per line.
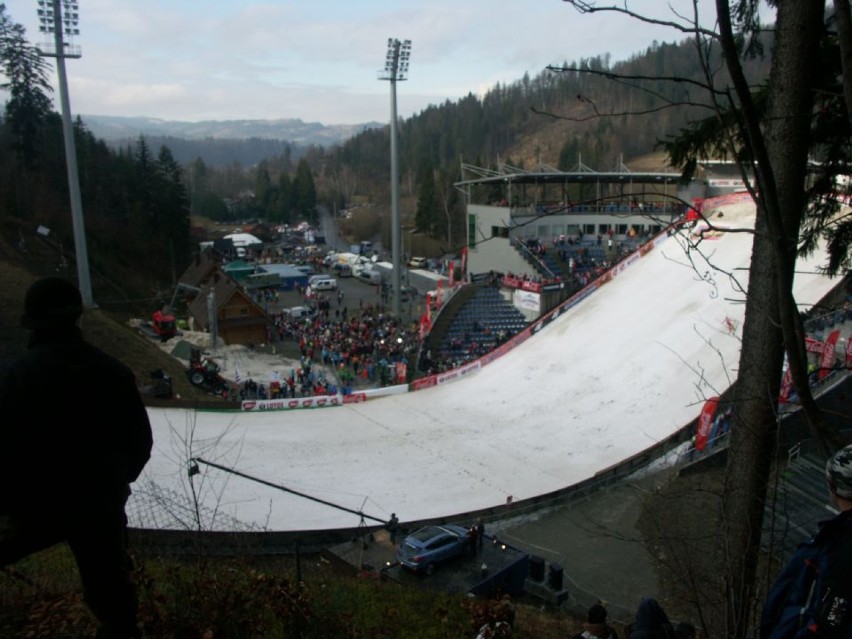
651 622
74 434
812 596
596 626
685 630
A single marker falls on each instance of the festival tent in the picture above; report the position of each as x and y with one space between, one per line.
243 239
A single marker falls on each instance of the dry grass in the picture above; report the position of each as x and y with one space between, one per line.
22 264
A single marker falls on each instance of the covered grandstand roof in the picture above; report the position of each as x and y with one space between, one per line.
545 174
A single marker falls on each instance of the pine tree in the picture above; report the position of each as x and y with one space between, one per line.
305 192
27 83
173 204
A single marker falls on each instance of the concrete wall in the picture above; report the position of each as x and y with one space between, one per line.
493 253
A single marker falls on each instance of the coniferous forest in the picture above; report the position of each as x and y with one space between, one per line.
138 200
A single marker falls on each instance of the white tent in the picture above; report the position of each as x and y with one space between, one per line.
243 239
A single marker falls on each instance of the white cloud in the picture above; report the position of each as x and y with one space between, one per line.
181 59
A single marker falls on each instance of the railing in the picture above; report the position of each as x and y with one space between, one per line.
533 258
794 452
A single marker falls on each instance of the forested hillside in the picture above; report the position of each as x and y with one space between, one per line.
139 199
589 110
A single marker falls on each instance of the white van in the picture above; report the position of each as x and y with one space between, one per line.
324 284
370 276
317 277
297 312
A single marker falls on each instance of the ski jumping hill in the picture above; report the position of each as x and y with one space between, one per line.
625 367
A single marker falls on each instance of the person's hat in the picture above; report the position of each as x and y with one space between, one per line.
51 303
838 472
597 614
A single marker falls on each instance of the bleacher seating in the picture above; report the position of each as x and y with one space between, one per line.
485 321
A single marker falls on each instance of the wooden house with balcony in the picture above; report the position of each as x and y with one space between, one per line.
224 307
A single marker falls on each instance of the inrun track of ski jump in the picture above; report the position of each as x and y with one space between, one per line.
623 366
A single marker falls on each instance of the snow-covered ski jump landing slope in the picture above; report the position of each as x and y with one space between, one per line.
623 369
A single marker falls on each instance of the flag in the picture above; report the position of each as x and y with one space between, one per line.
705 423
425 324
828 355
786 387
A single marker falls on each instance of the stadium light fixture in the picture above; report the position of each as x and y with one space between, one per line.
396 70
60 20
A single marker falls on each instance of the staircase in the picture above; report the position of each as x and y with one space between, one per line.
798 503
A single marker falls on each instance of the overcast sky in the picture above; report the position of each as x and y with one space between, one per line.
318 60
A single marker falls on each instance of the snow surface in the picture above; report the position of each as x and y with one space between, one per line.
611 376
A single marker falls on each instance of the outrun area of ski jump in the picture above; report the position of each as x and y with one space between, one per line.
621 370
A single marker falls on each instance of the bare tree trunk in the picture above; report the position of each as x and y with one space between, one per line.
771 318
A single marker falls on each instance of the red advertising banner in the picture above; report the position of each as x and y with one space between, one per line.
786 387
828 356
705 422
452 268
525 285
319 401
814 345
811 346
424 324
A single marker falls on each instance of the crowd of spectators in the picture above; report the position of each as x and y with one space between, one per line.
363 348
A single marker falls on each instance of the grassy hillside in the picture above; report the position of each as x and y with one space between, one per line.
25 256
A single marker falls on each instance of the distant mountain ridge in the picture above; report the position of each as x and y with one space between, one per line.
293 130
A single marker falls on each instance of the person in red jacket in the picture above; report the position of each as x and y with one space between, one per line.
74 435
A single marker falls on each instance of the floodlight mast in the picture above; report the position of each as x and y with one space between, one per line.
396 69
61 18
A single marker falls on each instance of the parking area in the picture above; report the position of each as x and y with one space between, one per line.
489 568
358 295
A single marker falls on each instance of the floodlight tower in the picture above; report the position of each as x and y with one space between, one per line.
60 18
396 69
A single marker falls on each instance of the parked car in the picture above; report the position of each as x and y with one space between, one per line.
417 262
298 312
429 546
369 275
324 284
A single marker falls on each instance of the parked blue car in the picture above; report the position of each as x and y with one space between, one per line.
423 549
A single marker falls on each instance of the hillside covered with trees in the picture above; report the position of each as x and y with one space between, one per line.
140 195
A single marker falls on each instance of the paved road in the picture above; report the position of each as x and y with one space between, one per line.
357 294
595 541
598 545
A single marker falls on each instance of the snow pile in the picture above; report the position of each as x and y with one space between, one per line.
236 361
